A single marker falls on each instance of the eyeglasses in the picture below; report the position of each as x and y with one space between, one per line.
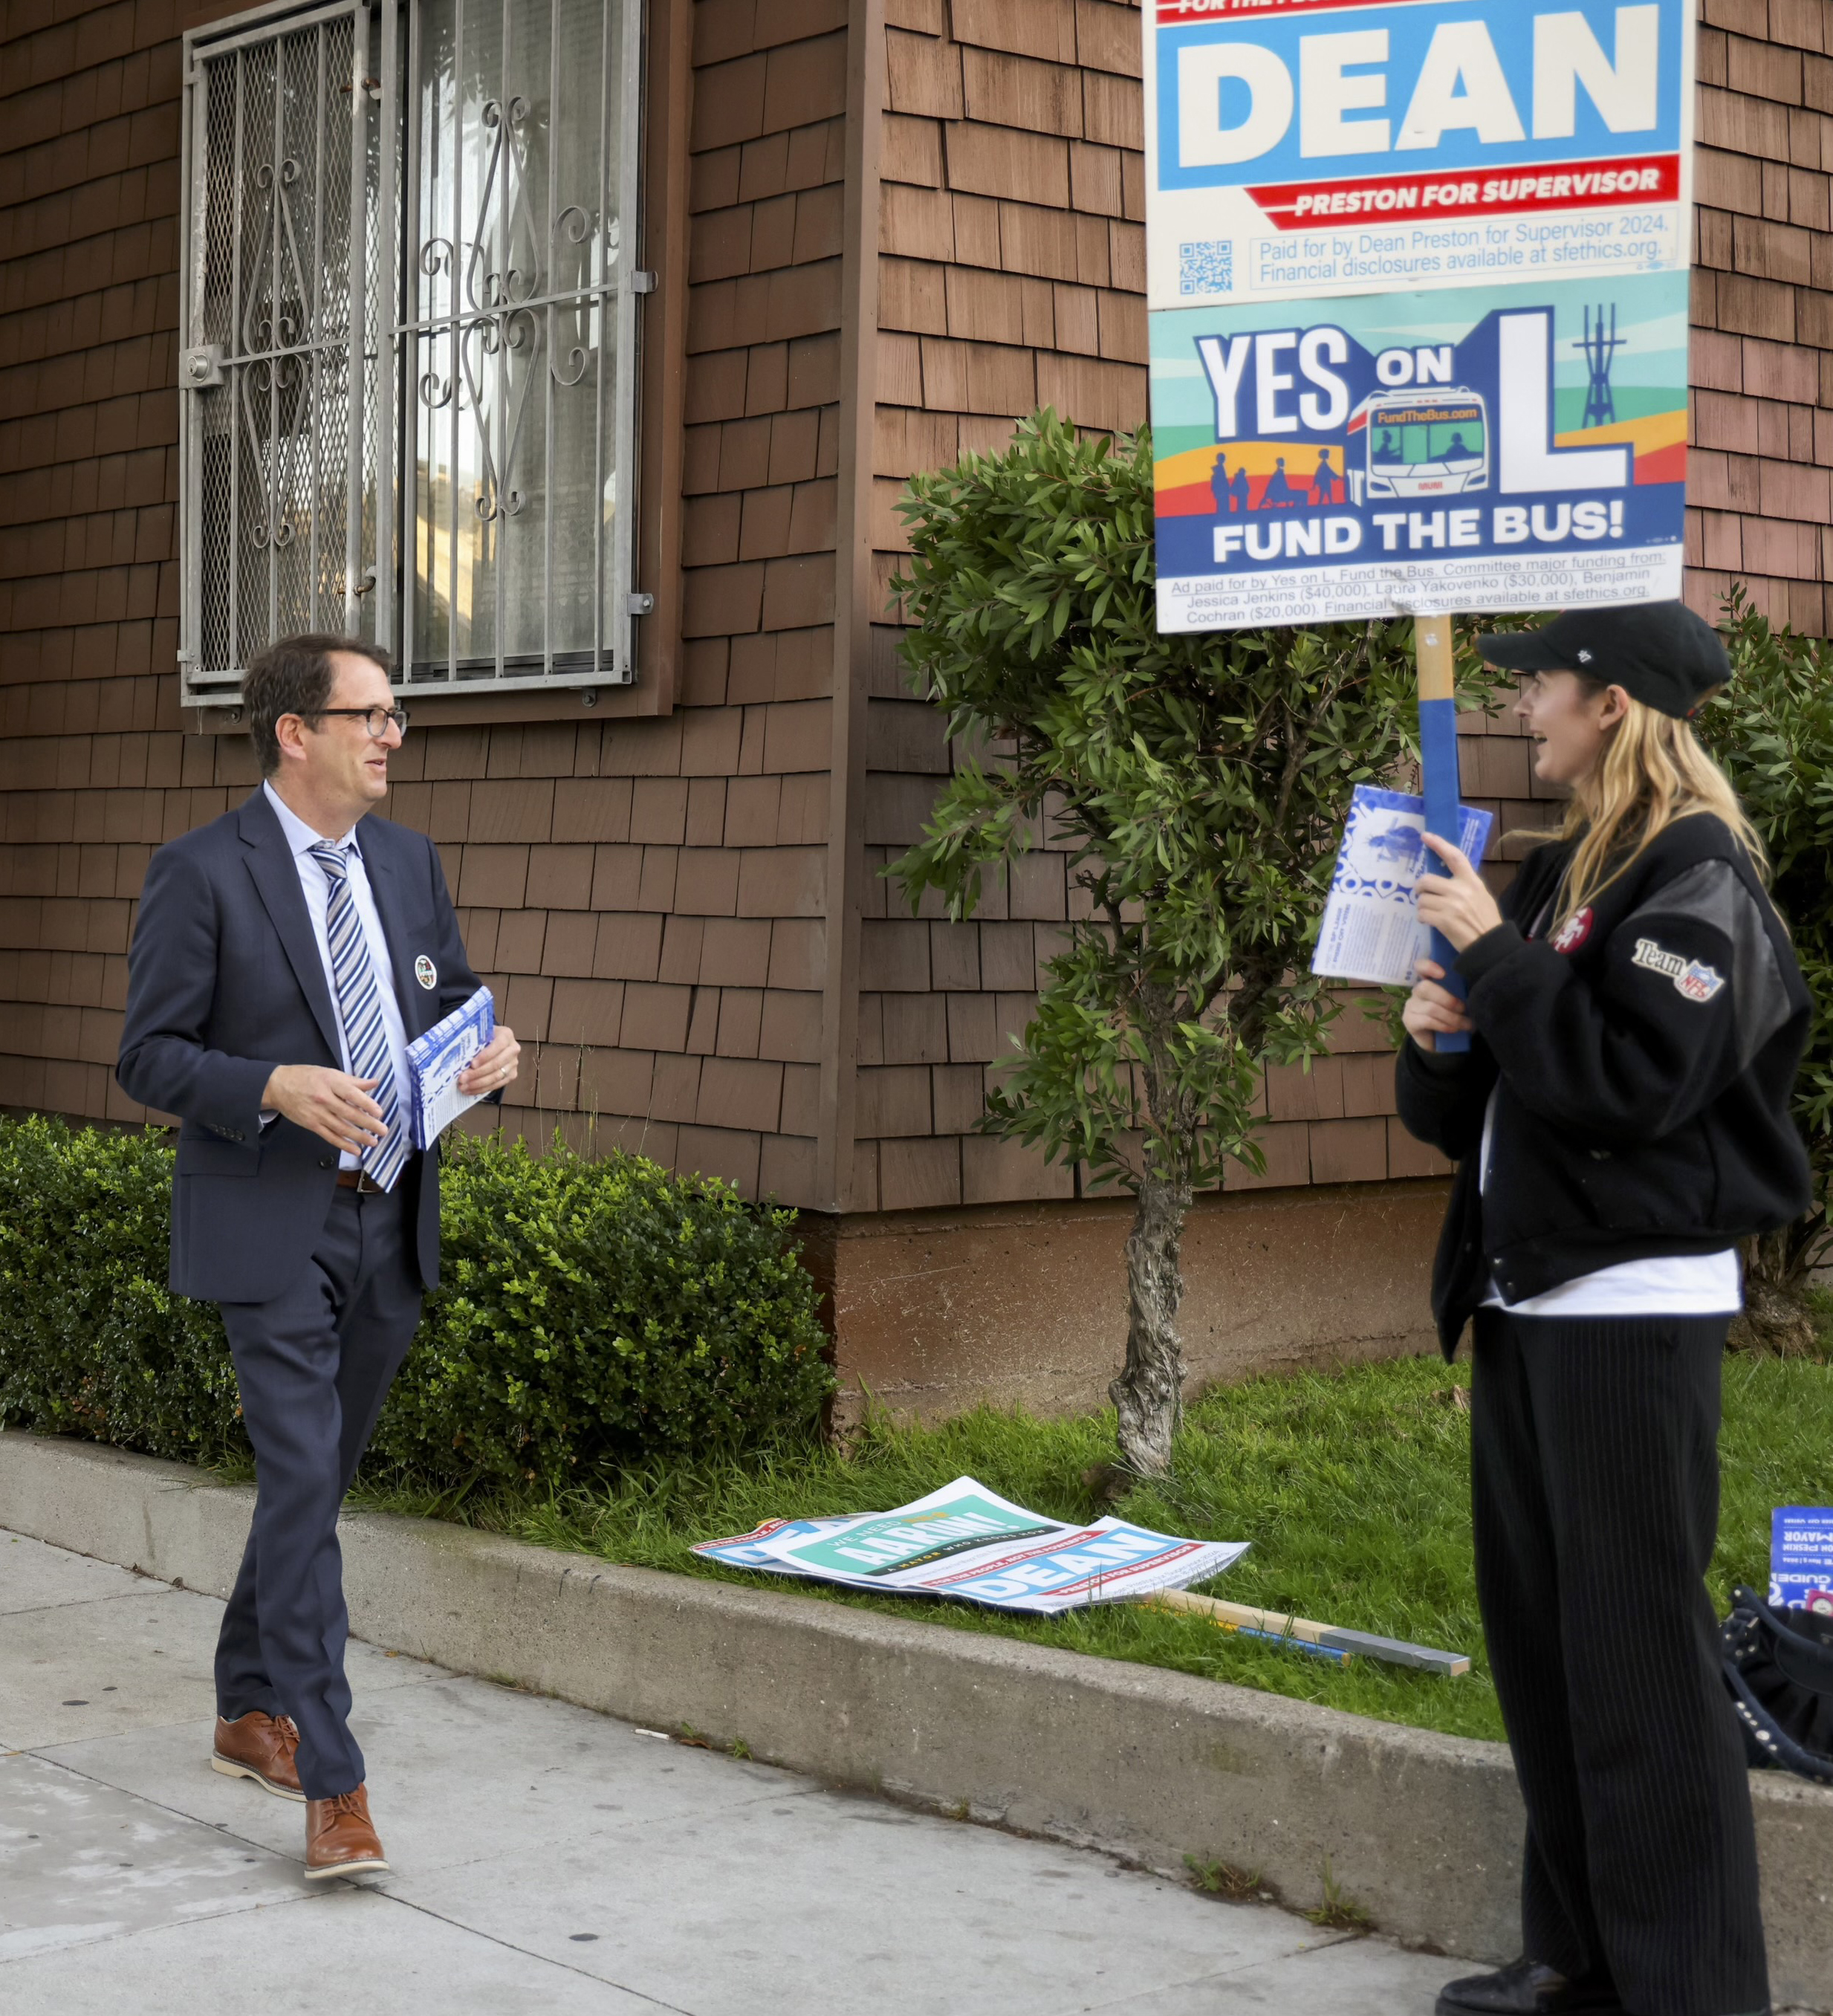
375 719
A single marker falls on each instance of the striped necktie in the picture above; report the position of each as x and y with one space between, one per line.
359 1008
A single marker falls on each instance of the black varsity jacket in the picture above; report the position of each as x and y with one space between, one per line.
1642 1055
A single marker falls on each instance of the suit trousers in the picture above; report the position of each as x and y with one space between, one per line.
1594 1474
313 1366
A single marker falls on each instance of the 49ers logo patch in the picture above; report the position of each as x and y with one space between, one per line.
1692 977
1574 931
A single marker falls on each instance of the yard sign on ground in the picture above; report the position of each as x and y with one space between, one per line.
1416 275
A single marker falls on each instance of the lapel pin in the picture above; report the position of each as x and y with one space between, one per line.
425 972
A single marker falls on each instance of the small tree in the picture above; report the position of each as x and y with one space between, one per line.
1772 729
1200 783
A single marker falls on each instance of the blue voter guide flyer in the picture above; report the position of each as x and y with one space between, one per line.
1801 1557
436 1060
1416 281
1371 929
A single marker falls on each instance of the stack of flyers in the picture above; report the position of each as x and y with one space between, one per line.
436 1061
1371 929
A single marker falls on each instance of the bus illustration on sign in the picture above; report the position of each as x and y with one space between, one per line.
1430 447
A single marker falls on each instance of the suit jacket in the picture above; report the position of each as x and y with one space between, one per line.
224 982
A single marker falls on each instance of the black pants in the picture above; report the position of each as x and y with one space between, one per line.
1594 1478
313 1366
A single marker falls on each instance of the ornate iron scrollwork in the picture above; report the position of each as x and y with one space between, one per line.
506 312
505 284
574 227
266 325
485 338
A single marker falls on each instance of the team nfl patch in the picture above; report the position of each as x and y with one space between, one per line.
1692 977
1700 983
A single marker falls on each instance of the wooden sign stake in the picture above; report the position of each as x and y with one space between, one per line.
1306 1632
1437 748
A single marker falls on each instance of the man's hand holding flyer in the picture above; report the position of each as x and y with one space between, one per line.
436 1060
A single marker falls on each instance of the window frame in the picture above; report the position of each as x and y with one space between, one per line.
642 636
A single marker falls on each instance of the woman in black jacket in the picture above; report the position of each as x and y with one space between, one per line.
1620 1120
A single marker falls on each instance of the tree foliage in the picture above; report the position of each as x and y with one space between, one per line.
1772 731
1198 782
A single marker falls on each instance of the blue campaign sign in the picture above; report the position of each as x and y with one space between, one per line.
1462 448
1417 291
1801 1557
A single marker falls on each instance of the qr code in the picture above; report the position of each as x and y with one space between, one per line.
1207 267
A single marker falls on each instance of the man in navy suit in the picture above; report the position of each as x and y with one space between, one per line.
284 957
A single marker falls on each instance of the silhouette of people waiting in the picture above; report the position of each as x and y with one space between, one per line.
1324 480
1238 489
1279 494
1218 481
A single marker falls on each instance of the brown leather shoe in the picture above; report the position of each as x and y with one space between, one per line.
339 1838
261 1746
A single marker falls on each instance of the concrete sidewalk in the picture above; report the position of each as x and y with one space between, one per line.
547 1858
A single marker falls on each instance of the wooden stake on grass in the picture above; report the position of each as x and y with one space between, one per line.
1241 1616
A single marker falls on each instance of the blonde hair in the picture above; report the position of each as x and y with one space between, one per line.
1653 772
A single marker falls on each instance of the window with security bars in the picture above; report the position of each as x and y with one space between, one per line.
409 367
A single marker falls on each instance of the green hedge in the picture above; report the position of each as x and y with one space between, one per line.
590 1313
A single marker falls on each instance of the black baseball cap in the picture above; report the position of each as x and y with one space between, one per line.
1659 653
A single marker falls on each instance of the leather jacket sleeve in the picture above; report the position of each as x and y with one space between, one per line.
1442 1099
1689 990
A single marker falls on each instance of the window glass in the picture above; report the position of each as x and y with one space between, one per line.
415 428
1411 444
282 496
517 237
1458 441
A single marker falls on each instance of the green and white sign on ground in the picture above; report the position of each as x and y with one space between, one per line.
967 1541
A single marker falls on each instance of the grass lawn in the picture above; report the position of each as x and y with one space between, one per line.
1353 1488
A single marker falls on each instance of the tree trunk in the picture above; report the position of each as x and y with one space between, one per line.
1775 1322
1148 1392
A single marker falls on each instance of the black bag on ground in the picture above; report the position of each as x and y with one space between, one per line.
1779 1667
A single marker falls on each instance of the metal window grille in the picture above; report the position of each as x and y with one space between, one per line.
408 370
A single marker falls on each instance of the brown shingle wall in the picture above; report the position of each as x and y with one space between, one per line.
1013 236
1012 242
1763 311
647 896
1011 228
94 769
650 895
654 898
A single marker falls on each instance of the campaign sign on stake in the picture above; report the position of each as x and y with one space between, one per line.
1416 279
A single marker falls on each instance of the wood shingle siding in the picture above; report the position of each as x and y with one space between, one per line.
1012 276
94 772
1759 507
684 912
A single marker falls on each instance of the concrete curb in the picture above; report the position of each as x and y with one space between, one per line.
1421 1830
